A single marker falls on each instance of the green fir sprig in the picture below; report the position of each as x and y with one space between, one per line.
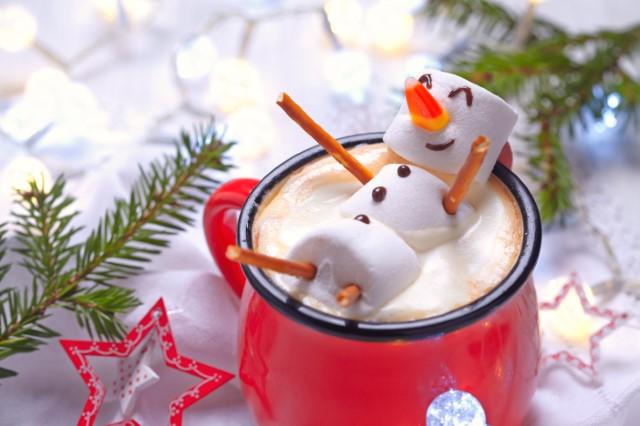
488 18
82 276
560 80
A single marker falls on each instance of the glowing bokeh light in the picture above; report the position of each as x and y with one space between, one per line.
18 28
20 171
569 321
254 131
135 11
389 27
613 100
417 63
346 19
456 408
234 82
195 58
609 119
348 73
51 97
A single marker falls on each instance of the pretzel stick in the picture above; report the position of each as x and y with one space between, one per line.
285 266
328 142
467 173
348 295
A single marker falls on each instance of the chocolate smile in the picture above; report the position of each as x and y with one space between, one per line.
441 146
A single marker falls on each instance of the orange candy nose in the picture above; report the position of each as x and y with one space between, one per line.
426 112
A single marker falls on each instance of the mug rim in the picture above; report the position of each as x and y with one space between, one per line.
386 331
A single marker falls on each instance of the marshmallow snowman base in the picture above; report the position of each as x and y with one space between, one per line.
411 205
350 251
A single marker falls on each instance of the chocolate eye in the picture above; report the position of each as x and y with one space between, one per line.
404 170
426 80
467 93
363 218
378 193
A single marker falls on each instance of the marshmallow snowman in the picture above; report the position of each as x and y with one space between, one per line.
438 134
355 251
408 200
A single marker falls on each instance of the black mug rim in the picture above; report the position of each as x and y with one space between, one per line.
378 331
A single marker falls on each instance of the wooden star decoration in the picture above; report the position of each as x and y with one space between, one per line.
158 320
614 320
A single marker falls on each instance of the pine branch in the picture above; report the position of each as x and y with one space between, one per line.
82 277
550 169
44 232
4 268
487 18
554 80
95 309
3 250
556 77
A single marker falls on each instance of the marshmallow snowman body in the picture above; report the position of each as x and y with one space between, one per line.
411 206
349 251
472 110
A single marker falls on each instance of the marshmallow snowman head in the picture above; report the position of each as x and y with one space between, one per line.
408 199
462 112
361 252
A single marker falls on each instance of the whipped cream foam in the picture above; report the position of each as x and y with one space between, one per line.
470 260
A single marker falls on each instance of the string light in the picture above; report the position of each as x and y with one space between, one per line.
50 98
417 63
195 58
234 83
18 28
568 321
346 19
388 26
609 119
348 73
133 11
613 100
20 171
254 130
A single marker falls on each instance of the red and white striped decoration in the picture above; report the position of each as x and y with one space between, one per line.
615 319
158 320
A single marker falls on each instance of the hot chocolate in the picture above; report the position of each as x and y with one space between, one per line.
458 263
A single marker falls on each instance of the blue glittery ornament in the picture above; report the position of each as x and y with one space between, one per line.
455 408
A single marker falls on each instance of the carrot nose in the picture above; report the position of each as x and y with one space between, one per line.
426 112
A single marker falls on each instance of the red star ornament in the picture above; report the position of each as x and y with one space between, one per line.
615 319
158 320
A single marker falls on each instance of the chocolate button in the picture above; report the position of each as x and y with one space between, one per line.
378 193
404 171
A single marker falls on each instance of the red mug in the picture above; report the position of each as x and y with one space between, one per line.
299 366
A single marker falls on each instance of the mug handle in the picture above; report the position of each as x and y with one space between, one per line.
219 221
